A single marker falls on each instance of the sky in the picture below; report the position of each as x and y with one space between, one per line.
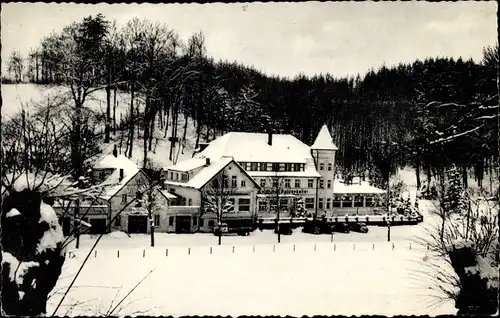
286 39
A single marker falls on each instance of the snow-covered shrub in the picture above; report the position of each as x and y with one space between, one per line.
32 252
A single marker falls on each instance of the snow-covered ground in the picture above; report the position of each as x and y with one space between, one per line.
304 275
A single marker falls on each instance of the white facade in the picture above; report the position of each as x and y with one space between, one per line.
287 171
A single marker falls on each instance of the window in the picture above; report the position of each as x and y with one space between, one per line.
369 202
283 204
302 166
124 198
171 175
276 167
282 167
296 167
262 183
309 203
202 222
269 167
321 183
320 203
170 221
336 202
184 177
321 166
347 202
275 183
297 183
272 205
262 166
118 220
329 167
288 167
230 208
262 206
157 220
190 202
176 176
210 223
358 201
243 183
195 220
234 182
310 183
287 183
329 184
244 205
254 166
328 203
225 181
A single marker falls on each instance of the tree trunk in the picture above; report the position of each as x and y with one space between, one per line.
464 176
417 170
107 128
77 222
115 104
131 121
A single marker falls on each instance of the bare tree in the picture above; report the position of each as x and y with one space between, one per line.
148 196
15 66
275 187
218 198
465 239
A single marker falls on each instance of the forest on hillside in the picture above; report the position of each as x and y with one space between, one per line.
430 115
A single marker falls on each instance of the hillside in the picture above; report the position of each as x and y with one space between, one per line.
14 96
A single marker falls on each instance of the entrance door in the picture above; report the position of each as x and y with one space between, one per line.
183 224
137 224
98 226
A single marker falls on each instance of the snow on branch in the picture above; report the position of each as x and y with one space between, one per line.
450 138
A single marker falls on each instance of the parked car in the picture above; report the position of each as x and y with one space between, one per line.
341 227
317 227
284 229
359 227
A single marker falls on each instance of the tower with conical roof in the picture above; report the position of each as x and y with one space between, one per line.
323 153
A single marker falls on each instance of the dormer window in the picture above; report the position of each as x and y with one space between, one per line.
321 166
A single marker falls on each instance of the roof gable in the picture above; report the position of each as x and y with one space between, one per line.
324 140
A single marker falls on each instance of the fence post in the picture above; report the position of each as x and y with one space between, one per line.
254 248
334 247
331 237
189 250
143 253
210 249
233 249
118 254
166 252
392 246
294 247
274 248
95 253
353 247
315 247
410 245
373 246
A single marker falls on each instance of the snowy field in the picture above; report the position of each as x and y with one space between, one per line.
355 274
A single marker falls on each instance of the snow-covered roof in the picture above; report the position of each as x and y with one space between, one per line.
167 194
205 174
254 147
312 173
188 165
363 187
113 182
111 162
324 140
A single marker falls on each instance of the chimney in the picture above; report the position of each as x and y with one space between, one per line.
115 152
207 162
121 175
270 138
